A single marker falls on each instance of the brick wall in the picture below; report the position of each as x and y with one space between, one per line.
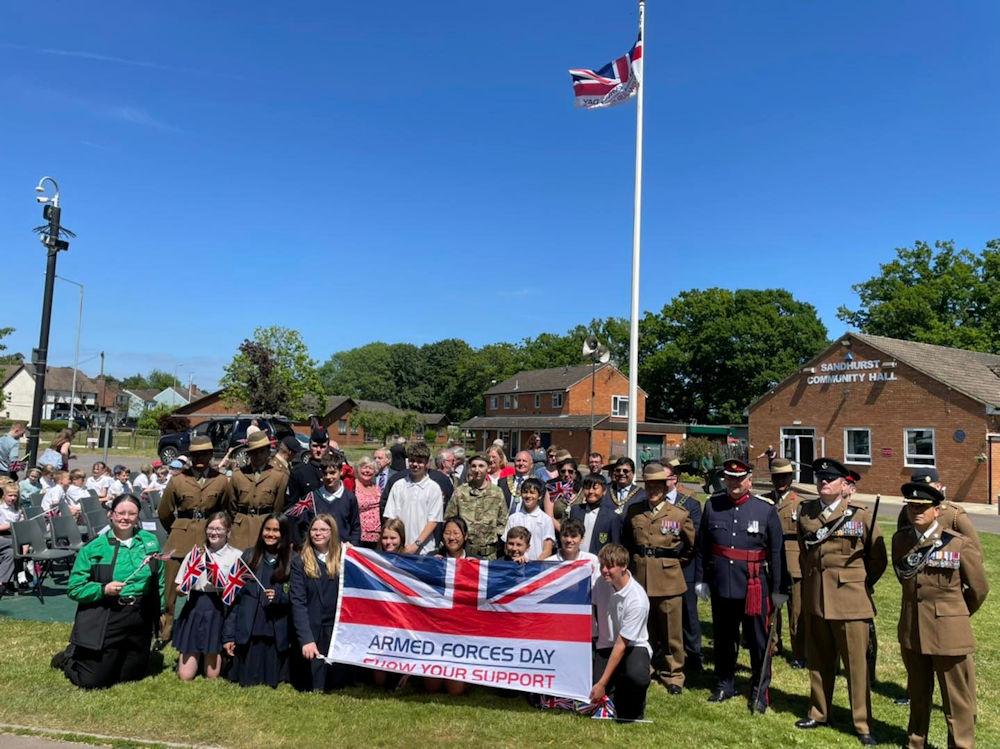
608 383
910 400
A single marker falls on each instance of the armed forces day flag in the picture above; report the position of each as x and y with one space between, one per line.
615 83
496 623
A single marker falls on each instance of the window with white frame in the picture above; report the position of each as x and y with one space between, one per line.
557 400
619 405
538 400
515 401
918 445
858 446
342 426
506 402
493 402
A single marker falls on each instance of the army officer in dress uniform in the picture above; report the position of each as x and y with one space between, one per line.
843 555
189 497
944 583
258 490
660 537
740 541
787 503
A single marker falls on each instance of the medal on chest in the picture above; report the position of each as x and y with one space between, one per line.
946 560
670 528
851 529
753 527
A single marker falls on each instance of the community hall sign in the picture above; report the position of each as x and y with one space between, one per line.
864 370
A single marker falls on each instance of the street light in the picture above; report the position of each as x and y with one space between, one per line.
51 236
76 354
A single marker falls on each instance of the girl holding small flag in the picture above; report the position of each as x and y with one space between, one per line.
315 589
256 631
202 577
117 582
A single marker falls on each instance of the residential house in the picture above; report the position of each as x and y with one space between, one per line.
60 390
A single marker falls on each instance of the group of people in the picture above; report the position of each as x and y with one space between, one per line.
654 549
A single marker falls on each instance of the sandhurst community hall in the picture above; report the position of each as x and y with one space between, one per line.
884 407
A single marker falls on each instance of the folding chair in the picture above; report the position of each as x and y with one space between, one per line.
94 494
147 510
34 511
97 521
65 533
92 503
154 498
31 533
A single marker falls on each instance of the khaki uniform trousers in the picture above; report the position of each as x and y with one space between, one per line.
796 622
826 641
957 697
666 635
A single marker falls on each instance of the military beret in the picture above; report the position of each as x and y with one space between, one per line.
920 493
291 444
735 467
928 475
781 465
319 436
829 469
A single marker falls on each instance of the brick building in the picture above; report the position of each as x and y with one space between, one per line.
884 407
556 403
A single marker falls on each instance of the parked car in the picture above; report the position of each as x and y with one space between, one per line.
226 432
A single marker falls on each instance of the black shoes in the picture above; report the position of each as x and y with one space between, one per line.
758 707
59 660
720 695
159 645
798 664
674 689
901 701
808 723
867 739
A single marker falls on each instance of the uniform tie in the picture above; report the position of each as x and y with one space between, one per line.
381 481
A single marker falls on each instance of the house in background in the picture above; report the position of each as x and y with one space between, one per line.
177 396
134 403
556 403
19 392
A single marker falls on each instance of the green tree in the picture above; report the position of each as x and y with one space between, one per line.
364 372
382 424
934 295
273 373
160 380
442 360
151 417
710 352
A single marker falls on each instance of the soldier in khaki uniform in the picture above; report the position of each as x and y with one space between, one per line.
258 490
482 506
660 537
944 583
843 555
189 498
787 504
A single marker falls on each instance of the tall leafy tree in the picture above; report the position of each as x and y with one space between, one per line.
937 295
364 372
710 352
273 373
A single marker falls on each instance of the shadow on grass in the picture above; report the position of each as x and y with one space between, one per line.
841 720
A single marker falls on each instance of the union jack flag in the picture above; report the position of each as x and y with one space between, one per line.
53 513
235 581
615 83
302 506
561 490
603 709
215 576
194 566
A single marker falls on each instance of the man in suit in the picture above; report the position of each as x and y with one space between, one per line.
787 504
383 469
511 485
741 562
188 499
944 584
601 524
842 555
660 538
623 489
258 490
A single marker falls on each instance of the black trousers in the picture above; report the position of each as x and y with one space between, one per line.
628 685
728 615
124 657
692 628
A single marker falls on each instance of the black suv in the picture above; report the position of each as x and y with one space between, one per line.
226 432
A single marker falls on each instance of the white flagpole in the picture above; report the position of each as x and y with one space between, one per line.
633 345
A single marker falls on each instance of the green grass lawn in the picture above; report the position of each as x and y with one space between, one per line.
163 709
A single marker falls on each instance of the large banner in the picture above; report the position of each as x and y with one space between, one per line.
500 624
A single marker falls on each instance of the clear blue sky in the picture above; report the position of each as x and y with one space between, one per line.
407 171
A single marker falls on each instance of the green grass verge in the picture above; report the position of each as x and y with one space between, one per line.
161 708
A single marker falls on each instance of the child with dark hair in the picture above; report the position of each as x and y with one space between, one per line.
256 630
530 516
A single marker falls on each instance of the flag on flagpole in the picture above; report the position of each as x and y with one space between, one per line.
615 83
235 581
194 566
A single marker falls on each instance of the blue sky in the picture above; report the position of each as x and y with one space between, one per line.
409 172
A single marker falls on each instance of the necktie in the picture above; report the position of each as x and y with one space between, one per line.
517 483
381 481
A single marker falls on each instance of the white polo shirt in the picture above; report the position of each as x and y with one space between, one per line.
539 524
623 612
416 504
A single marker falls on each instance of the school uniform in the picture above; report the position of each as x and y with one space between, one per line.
624 613
314 610
342 505
539 524
198 629
260 628
602 525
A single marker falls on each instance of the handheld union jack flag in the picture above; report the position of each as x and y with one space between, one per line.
603 709
194 566
615 83
235 581
302 506
561 490
215 576
53 513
